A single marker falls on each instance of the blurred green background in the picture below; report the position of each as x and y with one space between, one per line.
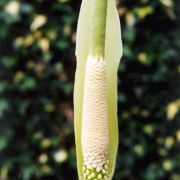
37 67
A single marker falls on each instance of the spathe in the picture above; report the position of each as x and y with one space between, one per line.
112 55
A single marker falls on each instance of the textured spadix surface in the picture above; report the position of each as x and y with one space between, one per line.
95 132
108 70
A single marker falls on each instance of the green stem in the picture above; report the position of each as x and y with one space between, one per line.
97 25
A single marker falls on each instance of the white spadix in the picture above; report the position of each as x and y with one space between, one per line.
95 133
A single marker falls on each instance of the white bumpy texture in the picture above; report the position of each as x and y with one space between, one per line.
95 134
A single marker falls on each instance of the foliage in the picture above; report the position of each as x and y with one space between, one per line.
37 65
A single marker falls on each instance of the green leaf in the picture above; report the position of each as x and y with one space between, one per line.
9 62
3 106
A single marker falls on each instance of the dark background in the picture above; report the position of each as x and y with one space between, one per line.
37 67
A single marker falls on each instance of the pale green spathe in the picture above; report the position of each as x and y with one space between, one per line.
112 55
